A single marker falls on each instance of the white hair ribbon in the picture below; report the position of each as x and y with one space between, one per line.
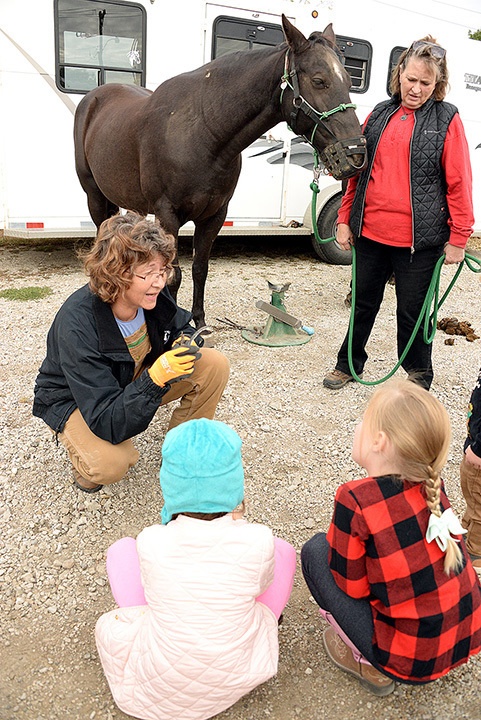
441 528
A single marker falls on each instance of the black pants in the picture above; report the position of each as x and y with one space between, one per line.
352 614
375 263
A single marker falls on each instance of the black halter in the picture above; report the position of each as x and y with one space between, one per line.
336 157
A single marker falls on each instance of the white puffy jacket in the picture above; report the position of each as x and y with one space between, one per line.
202 641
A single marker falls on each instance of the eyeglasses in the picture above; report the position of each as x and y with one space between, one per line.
151 276
436 50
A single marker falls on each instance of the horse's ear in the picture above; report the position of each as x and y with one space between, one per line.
294 38
329 34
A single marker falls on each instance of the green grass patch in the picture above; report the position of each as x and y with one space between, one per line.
26 293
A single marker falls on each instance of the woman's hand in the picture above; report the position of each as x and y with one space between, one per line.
184 341
453 255
174 365
344 236
472 458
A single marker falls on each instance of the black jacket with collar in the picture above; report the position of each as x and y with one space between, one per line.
474 419
88 366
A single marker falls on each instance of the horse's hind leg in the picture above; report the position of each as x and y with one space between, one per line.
174 284
100 207
170 223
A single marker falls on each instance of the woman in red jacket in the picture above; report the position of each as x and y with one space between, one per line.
410 205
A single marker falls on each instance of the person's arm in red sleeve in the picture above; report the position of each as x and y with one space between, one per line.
457 169
344 211
347 553
344 236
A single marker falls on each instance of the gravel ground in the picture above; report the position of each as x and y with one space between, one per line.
297 438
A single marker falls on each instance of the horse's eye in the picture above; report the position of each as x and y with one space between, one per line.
319 82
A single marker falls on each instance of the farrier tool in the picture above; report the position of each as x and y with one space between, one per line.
188 341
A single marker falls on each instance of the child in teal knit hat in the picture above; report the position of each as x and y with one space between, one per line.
199 595
201 469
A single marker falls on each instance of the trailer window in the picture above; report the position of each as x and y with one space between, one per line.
393 61
357 58
98 42
231 34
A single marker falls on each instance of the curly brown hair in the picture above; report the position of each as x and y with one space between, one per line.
424 53
124 242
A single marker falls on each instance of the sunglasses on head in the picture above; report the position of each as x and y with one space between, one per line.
436 50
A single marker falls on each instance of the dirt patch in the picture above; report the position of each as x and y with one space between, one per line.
297 437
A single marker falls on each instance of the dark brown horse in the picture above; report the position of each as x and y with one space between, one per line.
176 152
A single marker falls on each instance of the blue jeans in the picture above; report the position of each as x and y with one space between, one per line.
375 263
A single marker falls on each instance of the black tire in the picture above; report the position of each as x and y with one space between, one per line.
330 252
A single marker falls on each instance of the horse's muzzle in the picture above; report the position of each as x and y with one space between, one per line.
345 158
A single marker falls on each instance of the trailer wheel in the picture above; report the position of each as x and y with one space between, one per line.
330 252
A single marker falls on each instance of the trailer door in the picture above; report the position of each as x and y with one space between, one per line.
258 198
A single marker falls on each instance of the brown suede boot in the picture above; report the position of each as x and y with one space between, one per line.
370 678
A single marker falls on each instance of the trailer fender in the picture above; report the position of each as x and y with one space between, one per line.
322 198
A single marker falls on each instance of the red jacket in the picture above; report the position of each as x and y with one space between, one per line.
425 622
387 210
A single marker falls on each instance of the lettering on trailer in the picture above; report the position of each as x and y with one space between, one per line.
473 82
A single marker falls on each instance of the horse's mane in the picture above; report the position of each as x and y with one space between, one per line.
239 55
241 60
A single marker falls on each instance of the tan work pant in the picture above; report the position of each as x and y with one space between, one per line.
471 487
103 463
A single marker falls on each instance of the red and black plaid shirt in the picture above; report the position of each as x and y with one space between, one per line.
425 622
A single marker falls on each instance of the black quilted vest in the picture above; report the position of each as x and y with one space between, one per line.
428 185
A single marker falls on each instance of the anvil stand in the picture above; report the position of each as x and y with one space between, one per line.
276 333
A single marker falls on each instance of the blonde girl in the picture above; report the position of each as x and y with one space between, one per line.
392 575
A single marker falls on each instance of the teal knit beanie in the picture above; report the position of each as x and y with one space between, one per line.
201 469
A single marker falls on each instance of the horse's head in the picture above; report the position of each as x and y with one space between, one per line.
316 103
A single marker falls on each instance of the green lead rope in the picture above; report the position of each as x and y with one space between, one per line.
431 299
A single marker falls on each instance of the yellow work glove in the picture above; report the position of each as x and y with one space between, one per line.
173 365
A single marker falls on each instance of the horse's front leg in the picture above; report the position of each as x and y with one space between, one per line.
176 280
204 236
170 223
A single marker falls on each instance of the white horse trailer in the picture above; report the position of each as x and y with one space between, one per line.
54 51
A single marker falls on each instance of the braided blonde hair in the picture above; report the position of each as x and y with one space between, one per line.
419 430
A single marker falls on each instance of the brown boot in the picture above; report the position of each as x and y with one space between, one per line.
336 379
370 678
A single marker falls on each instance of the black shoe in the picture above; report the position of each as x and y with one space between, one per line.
87 488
